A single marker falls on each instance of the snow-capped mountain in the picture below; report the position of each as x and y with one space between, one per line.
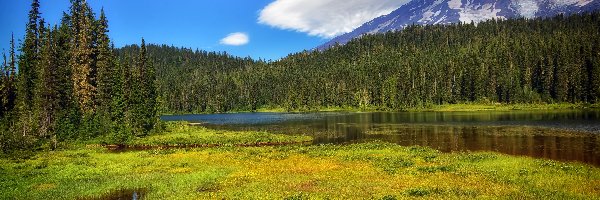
454 11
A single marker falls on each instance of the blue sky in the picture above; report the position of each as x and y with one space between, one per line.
268 29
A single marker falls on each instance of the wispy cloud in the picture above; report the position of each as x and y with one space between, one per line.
325 18
236 39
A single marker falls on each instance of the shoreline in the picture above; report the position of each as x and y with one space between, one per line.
465 107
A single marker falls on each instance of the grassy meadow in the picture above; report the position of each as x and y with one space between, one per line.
181 135
374 170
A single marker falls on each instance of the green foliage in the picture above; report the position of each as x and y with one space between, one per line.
27 77
71 86
515 61
120 134
141 95
388 197
418 192
8 83
83 56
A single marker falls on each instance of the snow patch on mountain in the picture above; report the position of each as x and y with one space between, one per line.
440 20
527 8
478 13
423 12
454 4
583 2
571 2
427 16
381 26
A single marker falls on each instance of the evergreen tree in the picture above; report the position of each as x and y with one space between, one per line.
120 129
28 71
11 76
104 64
143 95
4 133
149 85
106 73
28 61
47 99
69 115
3 85
82 55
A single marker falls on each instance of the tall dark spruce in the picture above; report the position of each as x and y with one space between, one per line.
8 82
143 96
28 72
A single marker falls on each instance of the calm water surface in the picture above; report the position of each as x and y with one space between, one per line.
561 135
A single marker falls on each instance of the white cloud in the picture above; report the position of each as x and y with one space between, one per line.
325 18
236 39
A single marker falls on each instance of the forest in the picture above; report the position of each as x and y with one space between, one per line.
70 85
534 61
70 82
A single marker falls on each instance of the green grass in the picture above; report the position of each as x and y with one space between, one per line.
431 108
180 134
504 107
320 109
373 170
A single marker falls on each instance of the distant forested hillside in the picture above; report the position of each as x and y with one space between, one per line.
509 61
200 81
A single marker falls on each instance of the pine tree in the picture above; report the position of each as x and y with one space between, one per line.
28 71
135 100
11 82
150 94
5 134
105 73
143 95
104 64
28 59
127 89
69 116
592 68
82 53
8 99
120 130
47 99
3 86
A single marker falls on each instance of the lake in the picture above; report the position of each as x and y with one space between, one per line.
565 135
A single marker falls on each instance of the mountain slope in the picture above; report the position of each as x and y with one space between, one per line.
454 11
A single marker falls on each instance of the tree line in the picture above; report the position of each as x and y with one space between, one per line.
67 84
543 60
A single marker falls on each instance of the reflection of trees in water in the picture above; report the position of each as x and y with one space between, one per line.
515 133
528 141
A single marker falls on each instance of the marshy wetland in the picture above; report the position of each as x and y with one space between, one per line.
540 155
566 135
